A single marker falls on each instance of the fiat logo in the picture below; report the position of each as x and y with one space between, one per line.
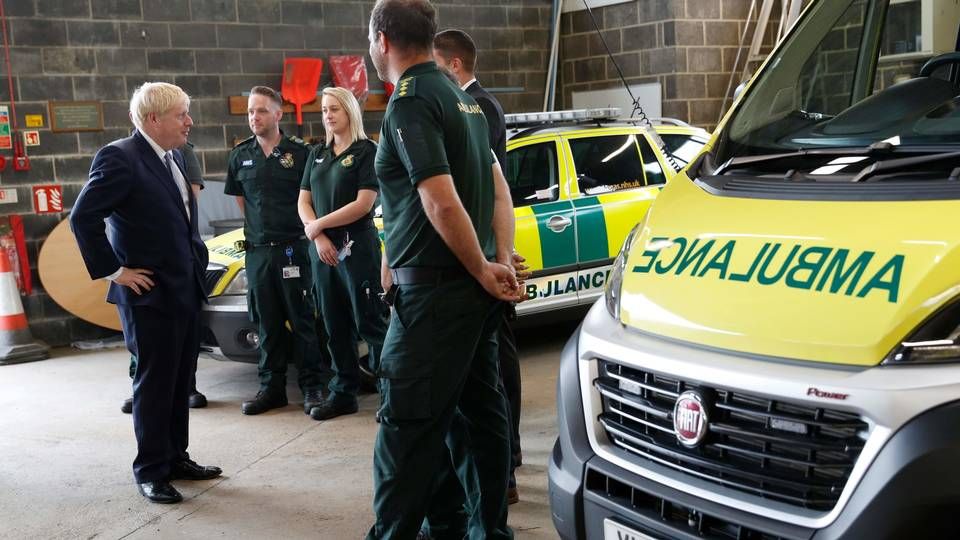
690 418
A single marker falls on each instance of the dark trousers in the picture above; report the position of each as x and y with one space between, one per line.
274 301
440 401
446 517
133 371
350 307
166 346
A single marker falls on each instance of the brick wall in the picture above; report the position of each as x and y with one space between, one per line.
688 46
103 49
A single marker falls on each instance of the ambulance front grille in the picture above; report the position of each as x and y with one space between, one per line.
788 452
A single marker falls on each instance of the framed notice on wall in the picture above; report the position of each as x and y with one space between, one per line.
76 116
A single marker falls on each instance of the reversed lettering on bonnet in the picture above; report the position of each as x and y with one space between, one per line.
798 267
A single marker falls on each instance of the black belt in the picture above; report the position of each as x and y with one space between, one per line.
286 242
419 275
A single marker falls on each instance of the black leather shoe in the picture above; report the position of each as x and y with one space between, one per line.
263 403
127 407
190 470
159 492
333 408
311 399
197 400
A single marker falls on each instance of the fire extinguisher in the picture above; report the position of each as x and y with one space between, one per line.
20 160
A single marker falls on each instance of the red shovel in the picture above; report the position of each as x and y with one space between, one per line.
301 76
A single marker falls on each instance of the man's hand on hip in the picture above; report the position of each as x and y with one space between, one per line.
136 279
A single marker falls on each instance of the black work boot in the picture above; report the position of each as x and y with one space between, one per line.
127 407
264 401
311 399
332 408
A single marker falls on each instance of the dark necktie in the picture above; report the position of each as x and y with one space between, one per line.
168 159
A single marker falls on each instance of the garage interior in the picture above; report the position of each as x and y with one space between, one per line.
65 446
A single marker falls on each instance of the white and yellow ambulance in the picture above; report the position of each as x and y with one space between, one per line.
776 353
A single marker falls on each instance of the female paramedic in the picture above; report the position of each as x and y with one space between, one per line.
337 196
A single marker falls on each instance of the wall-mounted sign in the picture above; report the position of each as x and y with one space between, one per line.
34 120
8 195
76 116
6 141
31 138
48 199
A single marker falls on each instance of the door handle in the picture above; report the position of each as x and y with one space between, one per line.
558 224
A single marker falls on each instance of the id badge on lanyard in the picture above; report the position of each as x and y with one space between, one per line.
290 271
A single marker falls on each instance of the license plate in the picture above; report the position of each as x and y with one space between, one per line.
615 531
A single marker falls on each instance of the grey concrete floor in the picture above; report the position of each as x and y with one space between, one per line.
65 454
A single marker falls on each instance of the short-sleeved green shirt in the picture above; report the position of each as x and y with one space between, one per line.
333 181
270 187
432 127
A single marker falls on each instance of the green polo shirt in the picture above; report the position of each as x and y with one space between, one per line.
270 187
431 127
333 181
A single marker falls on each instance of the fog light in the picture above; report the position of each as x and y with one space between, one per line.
249 338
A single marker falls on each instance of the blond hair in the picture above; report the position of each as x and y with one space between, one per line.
349 103
155 97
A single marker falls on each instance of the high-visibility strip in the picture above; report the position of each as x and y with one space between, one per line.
591 230
557 249
13 322
527 238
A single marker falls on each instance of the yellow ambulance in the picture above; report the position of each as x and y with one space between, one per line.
776 353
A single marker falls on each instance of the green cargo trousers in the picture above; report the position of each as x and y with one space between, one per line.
273 301
348 297
438 368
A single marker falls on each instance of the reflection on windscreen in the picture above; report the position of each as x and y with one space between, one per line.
842 80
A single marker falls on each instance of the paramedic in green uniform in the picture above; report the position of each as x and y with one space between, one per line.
448 224
264 173
337 196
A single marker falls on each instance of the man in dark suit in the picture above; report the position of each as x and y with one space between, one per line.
155 261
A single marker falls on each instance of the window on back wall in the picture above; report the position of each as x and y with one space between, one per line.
577 5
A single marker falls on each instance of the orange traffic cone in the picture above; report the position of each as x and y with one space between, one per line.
16 341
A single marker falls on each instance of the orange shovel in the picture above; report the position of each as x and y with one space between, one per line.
301 76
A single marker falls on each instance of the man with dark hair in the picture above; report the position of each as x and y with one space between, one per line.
456 55
264 174
448 223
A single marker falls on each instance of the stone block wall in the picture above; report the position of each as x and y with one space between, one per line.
688 46
103 49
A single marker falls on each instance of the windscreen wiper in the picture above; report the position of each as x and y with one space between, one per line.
903 163
881 147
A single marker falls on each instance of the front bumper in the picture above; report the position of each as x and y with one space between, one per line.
905 484
226 329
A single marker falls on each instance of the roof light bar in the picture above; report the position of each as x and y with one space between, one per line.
575 115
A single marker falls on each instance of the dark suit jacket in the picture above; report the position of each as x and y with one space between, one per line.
131 187
494 113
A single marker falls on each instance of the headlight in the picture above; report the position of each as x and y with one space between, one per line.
936 341
614 286
238 285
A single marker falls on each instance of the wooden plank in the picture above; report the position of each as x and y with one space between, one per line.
375 102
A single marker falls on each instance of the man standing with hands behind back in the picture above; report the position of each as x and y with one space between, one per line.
448 225
156 262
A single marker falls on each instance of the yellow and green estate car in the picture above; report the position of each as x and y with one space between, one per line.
777 353
580 180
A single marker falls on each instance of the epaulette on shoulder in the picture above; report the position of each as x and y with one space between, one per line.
297 140
406 87
248 139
